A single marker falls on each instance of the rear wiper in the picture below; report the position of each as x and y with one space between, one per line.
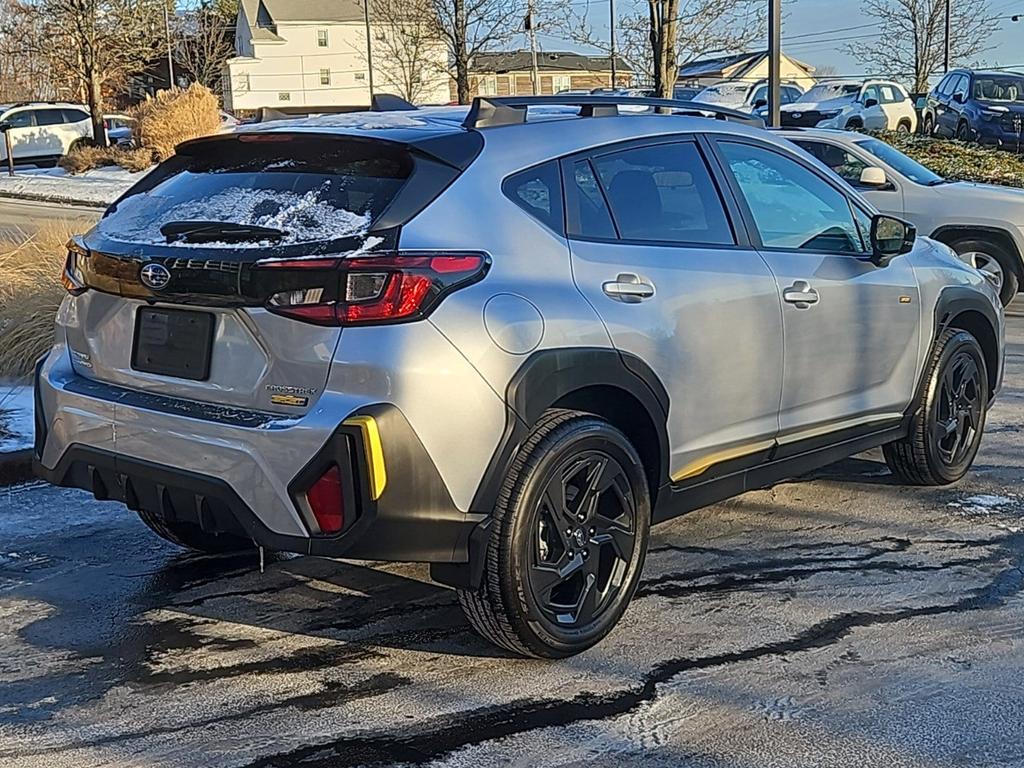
217 232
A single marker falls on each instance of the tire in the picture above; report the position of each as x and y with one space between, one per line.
999 266
903 127
192 536
954 396
927 127
854 124
963 132
556 583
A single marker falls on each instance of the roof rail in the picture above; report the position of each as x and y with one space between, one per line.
493 111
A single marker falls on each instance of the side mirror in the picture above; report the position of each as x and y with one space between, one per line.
959 98
890 237
873 176
869 103
922 102
5 126
760 103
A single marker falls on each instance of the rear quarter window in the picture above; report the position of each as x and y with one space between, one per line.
538 191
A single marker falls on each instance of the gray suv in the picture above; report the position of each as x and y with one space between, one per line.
503 343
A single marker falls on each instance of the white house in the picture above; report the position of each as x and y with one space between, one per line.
747 67
313 53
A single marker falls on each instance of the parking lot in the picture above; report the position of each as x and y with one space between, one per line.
836 620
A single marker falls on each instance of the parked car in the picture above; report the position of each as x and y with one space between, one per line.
685 93
982 106
43 132
745 96
983 223
120 129
873 105
320 352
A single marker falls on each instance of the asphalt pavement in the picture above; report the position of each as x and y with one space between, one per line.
840 620
21 217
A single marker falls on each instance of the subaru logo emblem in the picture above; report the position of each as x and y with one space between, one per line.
797 115
155 276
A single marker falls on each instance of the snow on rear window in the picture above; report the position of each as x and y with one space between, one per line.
303 218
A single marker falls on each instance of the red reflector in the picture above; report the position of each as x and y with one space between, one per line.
325 501
446 264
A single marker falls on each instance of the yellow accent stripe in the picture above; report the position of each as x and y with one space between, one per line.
700 466
374 453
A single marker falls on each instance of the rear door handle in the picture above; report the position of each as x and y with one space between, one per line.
801 294
628 288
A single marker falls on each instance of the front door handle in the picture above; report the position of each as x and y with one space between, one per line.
801 294
628 288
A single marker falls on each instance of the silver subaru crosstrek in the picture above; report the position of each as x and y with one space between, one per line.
503 343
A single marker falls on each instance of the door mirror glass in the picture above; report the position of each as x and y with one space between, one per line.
873 176
760 103
890 237
958 97
871 102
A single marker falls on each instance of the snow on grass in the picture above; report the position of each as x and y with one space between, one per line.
17 424
100 187
303 218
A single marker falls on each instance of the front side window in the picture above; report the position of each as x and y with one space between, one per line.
871 92
664 193
792 207
961 87
538 191
23 119
905 165
847 165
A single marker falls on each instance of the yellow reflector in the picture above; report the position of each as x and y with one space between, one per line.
374 453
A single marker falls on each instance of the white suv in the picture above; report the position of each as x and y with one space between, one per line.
44 132
873 105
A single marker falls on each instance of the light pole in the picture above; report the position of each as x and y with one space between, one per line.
945 58
170 47
611 23
532 32
369 46
774 63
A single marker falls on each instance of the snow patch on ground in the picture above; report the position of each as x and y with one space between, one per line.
17 425
302 217
990 505
101 186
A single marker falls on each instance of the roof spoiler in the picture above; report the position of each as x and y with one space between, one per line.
494 111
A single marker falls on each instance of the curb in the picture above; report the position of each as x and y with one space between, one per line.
29 197
16 467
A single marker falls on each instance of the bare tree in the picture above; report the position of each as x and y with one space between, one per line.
24 76
656 39
912 36
205 40
470 26
99 43
409 50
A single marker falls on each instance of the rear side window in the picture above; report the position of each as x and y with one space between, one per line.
664 193
75 115
308 190
49 117
538 191
590 215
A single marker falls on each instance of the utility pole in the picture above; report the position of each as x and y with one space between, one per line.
532 32
945 60
170 47
774 63
369 46
611 26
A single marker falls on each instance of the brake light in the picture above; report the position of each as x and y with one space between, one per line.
71 277
372 289
325 501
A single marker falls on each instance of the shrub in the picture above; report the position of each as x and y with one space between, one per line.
960 161
87 158
30 294
171 117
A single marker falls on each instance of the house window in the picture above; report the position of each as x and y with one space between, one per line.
561 82
325 77
284 96
360 75
488 85
321 38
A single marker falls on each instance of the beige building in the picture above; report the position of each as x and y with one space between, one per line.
508 73
748 67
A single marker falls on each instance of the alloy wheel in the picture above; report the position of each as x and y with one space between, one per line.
584 536
960 409
989 266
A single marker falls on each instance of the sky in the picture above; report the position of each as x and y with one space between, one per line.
809 23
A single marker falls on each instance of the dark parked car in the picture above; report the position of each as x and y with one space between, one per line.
982 106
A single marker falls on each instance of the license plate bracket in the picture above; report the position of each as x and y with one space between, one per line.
173 342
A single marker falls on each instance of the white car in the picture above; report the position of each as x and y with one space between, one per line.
43 132
872 105
745 96
983 223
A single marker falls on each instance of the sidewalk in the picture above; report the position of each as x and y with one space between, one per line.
97 188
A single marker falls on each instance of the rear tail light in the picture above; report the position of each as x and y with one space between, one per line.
374 289
72 278
326 501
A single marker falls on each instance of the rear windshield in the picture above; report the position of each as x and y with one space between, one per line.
281 191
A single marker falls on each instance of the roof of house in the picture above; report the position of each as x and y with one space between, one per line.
564 61
720 64
284 11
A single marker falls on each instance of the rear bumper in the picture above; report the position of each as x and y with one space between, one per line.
236 474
